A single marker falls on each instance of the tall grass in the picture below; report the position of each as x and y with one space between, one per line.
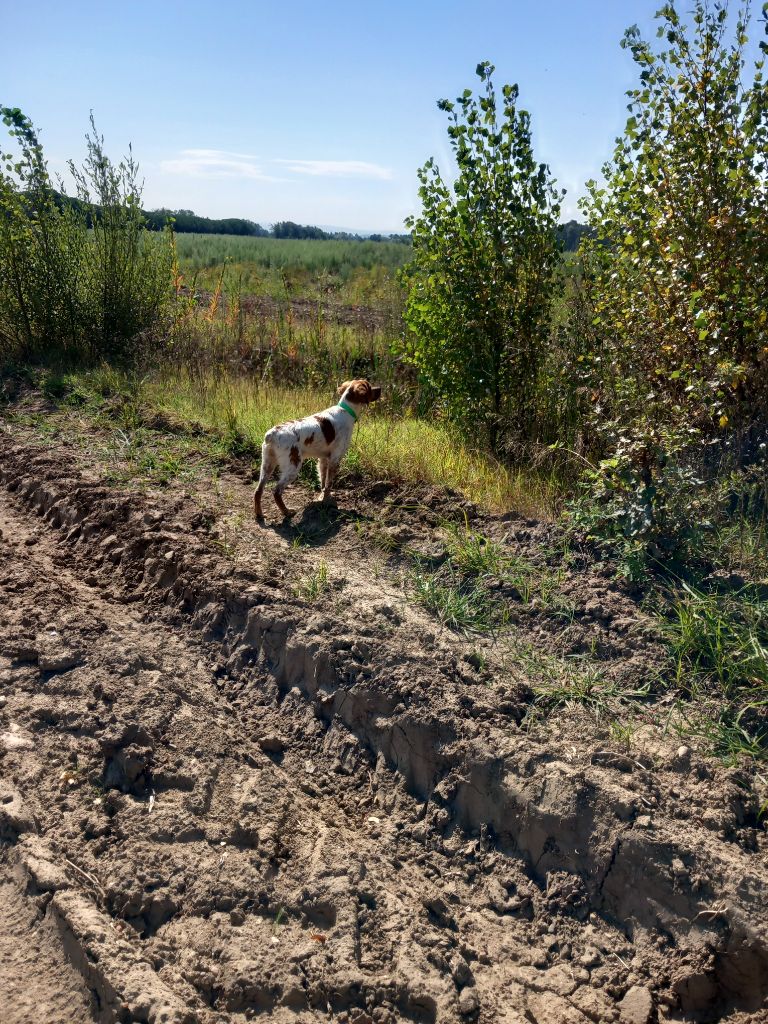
385 446
282 346
283 268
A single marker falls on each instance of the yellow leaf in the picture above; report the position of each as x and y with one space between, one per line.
723 421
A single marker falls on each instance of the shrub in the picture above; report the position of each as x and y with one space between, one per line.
80 278
482 278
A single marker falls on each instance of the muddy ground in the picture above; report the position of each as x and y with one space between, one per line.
243 774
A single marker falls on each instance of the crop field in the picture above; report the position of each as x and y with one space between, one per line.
355 272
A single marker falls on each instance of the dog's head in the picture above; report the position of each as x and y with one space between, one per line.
359 392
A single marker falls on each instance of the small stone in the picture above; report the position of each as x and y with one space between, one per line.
469 1004
682 759
461 972
637 1006
590 957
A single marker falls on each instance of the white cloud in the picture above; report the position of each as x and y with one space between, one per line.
215 163
337 169
221 163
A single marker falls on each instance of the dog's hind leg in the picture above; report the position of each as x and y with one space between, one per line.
268 467
286 477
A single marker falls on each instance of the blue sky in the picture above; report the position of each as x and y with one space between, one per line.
314 112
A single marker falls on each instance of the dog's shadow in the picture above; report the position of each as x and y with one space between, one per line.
314 525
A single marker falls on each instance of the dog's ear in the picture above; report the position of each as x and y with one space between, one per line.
343 387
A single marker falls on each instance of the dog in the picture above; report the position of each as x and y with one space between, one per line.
325 436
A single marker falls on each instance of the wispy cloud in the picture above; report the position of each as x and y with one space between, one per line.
337 169
220 163
215 163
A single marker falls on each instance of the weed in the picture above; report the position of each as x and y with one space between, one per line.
473 554
521 574
314 584
719 649
622 733
461 604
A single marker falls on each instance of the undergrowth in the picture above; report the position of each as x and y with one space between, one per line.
719 646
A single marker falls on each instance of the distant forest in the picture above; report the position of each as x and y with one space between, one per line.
186 221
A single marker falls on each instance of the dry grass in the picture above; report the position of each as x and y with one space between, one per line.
385 446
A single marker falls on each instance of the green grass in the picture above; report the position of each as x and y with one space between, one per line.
464 605
473 554
385 446
351 272
235 413
315 583
719 648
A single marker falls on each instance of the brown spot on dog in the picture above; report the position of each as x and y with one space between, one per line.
328 429
294 456
310 439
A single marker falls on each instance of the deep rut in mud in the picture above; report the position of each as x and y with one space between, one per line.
219 802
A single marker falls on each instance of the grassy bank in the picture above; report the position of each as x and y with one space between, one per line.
385 446
234 413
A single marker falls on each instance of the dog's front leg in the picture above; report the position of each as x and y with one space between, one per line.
331 470
322 472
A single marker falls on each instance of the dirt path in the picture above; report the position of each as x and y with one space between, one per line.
223 800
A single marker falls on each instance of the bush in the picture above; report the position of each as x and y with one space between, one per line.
483 276
80 278
677 274
647 503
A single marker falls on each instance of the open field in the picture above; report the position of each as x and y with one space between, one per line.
352 272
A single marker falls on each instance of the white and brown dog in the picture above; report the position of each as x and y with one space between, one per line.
326 436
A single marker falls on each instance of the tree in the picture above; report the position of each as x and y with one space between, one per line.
677 279
680 265
482 278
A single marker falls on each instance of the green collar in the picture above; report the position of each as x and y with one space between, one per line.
348 408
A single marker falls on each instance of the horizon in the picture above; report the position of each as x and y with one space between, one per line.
317 117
